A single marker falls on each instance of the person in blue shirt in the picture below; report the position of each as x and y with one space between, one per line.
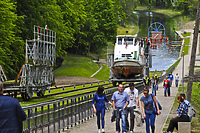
171 77
186 102
168 87
99 107
120 102
182 115
11 114
148 109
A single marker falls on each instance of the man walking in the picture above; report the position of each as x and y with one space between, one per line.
133 99
176 79
11 114
157 81
146 81
120 102
171 77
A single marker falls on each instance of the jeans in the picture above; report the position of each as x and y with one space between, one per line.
122 114
153 89
132 116
176 82
152 118
100 115
166 90
156 86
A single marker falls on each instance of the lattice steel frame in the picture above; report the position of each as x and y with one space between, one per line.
2 75
37 73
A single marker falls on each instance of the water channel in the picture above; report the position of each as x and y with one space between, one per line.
162 57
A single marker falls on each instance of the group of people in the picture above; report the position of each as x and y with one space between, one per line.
124 102
151 83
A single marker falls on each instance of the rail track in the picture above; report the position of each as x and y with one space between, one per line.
65 91
81 91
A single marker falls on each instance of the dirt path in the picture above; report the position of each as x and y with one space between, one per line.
68 80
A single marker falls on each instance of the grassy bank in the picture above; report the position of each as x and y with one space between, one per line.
77 65
132 30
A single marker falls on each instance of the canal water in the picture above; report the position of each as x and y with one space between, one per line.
162 57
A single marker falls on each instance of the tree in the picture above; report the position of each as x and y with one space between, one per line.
11 46
193 54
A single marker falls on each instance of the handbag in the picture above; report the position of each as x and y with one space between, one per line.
154 106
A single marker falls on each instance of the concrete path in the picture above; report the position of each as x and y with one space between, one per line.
166 102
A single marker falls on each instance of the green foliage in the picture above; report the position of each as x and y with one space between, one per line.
11 46
187 7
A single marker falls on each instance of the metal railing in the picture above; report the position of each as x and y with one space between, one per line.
60 115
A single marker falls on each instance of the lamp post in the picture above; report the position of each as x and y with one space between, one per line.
183 72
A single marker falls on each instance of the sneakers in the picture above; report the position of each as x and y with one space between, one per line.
117 131
131 131
99 131
103 131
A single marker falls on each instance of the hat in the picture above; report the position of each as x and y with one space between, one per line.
156 75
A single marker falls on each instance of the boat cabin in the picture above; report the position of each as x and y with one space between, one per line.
126 48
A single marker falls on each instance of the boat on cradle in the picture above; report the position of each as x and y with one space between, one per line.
128 59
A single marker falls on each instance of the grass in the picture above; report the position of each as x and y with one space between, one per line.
168 12
186 47
103 74
77 65
175 64
151 73
187 34
131 31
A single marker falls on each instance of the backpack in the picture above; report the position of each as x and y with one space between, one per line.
154 106
191 111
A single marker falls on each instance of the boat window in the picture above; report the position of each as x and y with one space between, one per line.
129 41
119 41
126 55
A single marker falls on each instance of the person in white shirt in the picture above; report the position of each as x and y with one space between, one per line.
176 79
133 97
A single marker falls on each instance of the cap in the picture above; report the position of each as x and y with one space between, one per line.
156 75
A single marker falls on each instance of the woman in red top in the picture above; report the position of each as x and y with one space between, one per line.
166 82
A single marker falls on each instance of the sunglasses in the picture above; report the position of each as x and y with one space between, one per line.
146 93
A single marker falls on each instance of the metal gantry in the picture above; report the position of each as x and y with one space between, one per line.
37 73
2 75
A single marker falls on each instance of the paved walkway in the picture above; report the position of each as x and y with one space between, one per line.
166 102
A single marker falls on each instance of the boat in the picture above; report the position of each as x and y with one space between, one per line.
128 58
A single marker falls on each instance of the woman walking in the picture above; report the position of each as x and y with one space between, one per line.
99 107
166 84
148 110
153 85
